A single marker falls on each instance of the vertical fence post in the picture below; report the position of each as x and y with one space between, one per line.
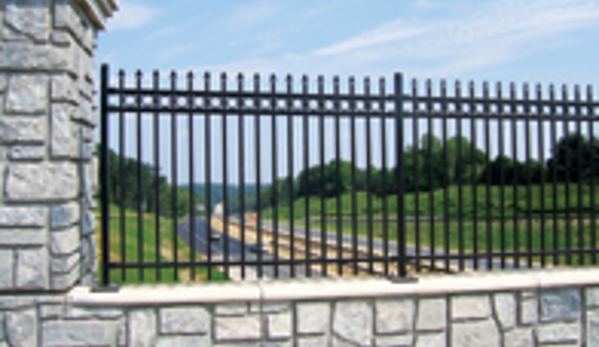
401 234
104 170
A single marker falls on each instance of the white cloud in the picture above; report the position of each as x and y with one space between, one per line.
487 35
427 5
471 37
132 16
160 33
175 51
389 32
250 14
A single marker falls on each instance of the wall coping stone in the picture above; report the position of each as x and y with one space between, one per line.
98 11
333 288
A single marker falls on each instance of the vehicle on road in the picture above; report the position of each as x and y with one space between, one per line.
215 236
255 248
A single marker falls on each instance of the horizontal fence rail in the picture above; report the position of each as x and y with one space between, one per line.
227 177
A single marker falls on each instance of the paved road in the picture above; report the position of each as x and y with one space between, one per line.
379 245
200 236
235 248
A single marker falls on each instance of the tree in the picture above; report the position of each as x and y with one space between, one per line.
573 157
311 181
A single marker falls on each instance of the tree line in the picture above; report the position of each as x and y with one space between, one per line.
431 165
135 184
434 164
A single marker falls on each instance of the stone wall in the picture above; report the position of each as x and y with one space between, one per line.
47 175
441 311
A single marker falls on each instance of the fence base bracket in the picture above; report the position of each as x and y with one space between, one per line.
397 279
105 289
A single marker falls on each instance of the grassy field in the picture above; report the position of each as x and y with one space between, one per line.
136 248
474 202
515 231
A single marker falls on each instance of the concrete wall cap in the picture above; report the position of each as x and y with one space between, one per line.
336 288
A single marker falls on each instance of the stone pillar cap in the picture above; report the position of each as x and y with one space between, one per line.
98 10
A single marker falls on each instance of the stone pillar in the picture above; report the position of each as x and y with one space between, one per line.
47 120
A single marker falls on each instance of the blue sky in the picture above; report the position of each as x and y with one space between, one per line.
536 41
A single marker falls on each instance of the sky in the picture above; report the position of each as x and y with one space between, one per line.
534 41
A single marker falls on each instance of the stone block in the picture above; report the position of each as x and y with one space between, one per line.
528 311
24 56
87 150
23 237
51 311
65 215
64 264
31 268
3 81
22 130
519 338
592 328
64 88
21 328
183 341
141 330
66 18
592 296
63 281
42 181
27 152
352 321
31 18
528 294
475 334
184 320
61 37
87 133
394 315
27 94
93 173
337 342
558 333
103 313
11 216
231 309
122 336
505 309
312 341
79 333
6 268
470 307
280 325
270 307
431 314
431 340
65 242
2 326
89 223
64 137
560 304
392 341
235 328
278 344
313 317
86 90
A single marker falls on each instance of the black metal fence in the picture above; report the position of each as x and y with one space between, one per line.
364 179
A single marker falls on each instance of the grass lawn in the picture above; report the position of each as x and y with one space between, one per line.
558 235
475 202
141 246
